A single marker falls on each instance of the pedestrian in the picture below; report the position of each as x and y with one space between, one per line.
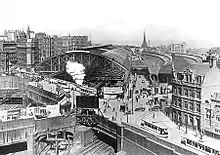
113 109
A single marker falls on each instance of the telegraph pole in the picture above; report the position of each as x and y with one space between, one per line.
132 103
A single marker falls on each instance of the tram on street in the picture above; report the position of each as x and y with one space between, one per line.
199 146
157 128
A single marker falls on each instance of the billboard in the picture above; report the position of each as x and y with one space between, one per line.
112 90
87 102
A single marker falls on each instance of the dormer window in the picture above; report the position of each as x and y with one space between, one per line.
187 78
190 77
180 76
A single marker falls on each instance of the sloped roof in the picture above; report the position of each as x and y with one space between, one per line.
201 68
179 64
138 63
166 69
118 54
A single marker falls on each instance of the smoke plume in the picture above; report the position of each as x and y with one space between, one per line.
76 70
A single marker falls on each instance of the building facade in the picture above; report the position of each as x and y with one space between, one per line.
211 115
48 45
8 55
177 47
27 50
195 102
67 44
80 41
186 99
210 101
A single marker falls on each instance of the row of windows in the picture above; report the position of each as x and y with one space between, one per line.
187 105
187 92
188 77
209 113
216 130
186 119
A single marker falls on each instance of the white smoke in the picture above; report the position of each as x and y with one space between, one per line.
76 70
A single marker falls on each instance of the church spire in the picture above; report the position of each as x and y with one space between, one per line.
28 32
144 44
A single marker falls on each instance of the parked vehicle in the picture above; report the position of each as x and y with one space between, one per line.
139 109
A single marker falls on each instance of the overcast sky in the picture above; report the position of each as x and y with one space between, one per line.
196 22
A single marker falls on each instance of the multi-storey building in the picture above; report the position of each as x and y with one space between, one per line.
177 47
48 45
211 116
45 45
67 44
210 101
186 98
27 50
80 41
162 48
11 35
57 45
7 55
192 90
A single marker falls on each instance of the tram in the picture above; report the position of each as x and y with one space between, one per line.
199 146
157 128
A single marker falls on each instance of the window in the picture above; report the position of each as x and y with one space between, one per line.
198 94
187 78
174 90
190 78
208 113
218 118
191 93
174 101
191 120
199 79
186 92
186 104
186 119
179 91
180 103
191 106
198 107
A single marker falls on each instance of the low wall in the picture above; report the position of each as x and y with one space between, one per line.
16 131
20 130
134 140
54 123
168 145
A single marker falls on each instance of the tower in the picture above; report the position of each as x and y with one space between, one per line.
144 44
28 32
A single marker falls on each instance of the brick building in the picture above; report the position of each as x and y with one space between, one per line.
80 41
211 101
8 55
177 47
48 45
27 50
192 90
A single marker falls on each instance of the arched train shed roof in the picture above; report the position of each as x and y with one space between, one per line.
115 53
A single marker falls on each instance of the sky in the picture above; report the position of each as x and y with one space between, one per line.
119 21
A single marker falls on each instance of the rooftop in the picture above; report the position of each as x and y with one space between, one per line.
201 68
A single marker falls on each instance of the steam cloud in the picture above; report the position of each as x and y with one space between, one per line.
76 70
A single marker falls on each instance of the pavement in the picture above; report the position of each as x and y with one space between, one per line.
194 135
175 133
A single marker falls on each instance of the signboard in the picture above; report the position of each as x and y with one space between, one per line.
87 102
112 90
